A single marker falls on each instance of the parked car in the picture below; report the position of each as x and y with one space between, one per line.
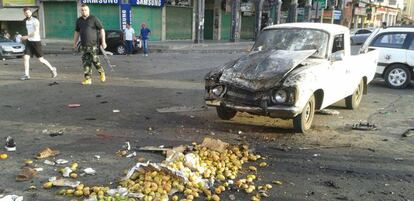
292 70
116 43
9 48
396 54
359 36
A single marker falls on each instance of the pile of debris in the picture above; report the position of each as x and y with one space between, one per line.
187 173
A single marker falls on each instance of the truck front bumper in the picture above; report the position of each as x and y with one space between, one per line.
278 111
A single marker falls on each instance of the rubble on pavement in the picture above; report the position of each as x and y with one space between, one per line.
188 172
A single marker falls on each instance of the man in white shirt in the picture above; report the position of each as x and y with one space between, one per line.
129 33
33 45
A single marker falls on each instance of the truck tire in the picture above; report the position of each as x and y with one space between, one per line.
352 102
303 122
397 76
225 113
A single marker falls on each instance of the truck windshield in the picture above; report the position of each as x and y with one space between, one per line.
293 39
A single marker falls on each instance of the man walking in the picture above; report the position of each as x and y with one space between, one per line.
129 33
33 45
87 28
145 33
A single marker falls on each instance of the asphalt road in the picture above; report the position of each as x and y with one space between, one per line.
332 162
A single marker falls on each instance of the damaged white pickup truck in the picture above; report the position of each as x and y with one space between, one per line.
292 70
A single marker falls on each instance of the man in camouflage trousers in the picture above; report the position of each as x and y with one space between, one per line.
87 28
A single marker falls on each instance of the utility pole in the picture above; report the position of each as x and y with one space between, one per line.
258 27
278 13
293 11
308 10
331 7
200 22
354 18
341 6
235 21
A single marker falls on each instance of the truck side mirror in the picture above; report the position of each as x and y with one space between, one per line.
337 56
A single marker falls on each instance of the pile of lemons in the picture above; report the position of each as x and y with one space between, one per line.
209 173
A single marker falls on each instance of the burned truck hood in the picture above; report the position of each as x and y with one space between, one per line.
262 70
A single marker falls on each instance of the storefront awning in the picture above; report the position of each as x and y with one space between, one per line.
13 14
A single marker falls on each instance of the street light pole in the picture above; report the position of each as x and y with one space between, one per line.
278 13
259 6
308 10
235 21
342 8
293 11
199 22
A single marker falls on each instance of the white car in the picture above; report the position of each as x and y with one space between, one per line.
396 54
9 48
359 36
292 70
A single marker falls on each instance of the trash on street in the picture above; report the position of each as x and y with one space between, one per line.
48 162
180 109
89 171
74 105
63 182
26 174
328 112
47 152
4 156
11 198
10 144
364 126
408 133
61 161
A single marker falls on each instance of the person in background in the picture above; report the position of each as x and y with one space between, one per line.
129 33
18 37
145 33
33 45
6 34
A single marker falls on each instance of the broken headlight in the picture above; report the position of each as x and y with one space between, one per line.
218 90
283 96
280 96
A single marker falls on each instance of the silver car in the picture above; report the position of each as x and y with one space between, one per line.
360 36
9 48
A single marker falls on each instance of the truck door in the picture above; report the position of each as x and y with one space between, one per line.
339 68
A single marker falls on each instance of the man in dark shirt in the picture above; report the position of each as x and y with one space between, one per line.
87 28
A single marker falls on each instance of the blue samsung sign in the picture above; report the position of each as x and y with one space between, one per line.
157 3
100 1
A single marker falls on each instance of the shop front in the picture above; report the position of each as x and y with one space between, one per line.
11 15
150 13
108 11
59 18
179 19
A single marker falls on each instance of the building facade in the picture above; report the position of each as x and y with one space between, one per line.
408 12
11 15
167 19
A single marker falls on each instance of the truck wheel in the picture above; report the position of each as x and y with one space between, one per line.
225 113
303 122
397 76
352 102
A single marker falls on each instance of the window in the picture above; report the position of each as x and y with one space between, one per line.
179 3
390 40
411 47
338 43
363 31
113 34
